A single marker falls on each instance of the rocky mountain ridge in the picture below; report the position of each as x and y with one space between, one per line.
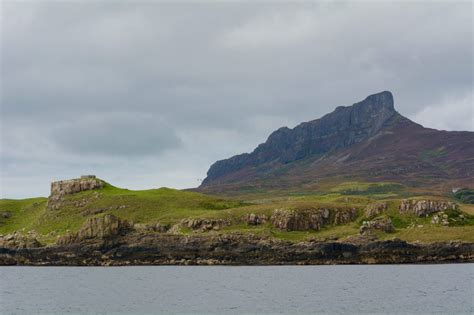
369 141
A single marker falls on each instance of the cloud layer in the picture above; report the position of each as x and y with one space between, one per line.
151 94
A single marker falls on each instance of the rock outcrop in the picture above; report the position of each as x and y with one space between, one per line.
310 219
66 187
255 219
383 224
343 216
374 209
100 228
157 227
300 220
203 225
423 208
18 240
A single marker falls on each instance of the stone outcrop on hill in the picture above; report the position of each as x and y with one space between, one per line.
310 219
66 187
343 216
18 240
374 209
423 208
106 227
255 219
382 224
299 220
157 227
203 225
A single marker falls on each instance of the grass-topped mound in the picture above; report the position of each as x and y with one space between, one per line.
145 206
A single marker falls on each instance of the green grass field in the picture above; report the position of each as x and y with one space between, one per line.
170 206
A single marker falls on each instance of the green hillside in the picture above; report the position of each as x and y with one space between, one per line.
169 207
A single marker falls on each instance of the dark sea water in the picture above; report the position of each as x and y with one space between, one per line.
402 289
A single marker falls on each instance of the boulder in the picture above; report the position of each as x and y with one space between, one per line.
343 216
383 224
255 219
423 207
6 215
374 209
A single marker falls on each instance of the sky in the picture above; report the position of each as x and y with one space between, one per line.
150 94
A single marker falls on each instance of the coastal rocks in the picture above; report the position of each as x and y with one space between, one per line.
300 220
104 227
382 224
255 219
17 240
203 225
374 209
344 215
238 249
66 187
423 208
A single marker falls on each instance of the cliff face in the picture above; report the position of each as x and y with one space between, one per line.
67 187
369 140
339 129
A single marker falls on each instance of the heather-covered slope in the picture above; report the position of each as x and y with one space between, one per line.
368 141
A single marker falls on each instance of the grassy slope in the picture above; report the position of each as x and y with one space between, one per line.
169 206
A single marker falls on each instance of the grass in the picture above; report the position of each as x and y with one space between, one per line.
23 214
170 206
429 233
381 190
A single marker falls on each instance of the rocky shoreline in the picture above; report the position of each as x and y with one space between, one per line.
164 249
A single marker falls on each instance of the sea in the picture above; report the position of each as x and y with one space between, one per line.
340 289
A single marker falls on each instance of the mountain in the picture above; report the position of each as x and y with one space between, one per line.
368 141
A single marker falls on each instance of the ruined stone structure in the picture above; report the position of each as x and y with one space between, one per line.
66 187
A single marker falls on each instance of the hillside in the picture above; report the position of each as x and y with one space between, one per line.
366 142
340 213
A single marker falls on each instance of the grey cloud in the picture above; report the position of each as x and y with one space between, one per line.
117 135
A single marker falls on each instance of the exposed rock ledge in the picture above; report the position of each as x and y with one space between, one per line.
423 208
166 249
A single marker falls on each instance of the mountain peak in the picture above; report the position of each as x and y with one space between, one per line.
345 126
366 141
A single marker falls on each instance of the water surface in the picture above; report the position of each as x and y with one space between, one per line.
402 289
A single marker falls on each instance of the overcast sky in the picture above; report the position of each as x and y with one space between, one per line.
150 95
